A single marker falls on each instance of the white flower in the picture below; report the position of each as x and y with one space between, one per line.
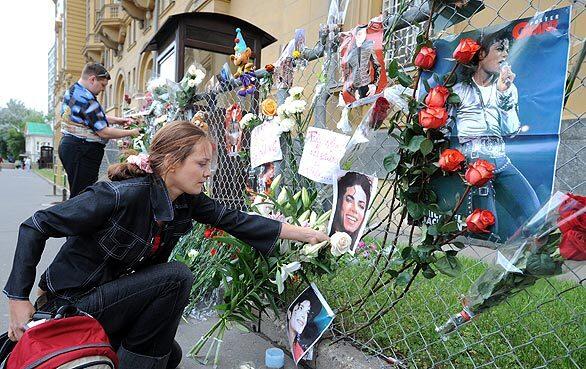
281 110
295 91
199 76
246 119
155 84
296 106
284 273
312 250
341 242
289 100
286 125
192 253
263 206
192 70
191 83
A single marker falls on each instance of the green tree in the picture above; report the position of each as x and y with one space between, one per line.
13 118
16 114
15 142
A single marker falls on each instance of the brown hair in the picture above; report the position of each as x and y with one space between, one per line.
95 69
171 145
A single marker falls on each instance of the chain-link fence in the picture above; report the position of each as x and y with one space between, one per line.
543 326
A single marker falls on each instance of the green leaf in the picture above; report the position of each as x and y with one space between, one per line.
406 252
415 210
542 265
241 327
459 245
392 161
428 272
393 69
404 79
415 143
426 146
454 99
448 265
451 227
403 279
432 230
426 85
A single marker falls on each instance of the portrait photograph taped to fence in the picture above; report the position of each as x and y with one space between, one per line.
352 195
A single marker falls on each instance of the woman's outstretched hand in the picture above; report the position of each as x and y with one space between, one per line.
302 234
21 312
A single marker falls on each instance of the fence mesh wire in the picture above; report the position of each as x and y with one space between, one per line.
527 331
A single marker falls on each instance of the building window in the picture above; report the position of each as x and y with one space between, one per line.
402 42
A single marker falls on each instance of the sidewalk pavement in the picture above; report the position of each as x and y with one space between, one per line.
22 193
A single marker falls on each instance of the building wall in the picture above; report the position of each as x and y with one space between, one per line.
132 70
51 82
70 34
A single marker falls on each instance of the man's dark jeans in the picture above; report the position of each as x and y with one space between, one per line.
140 311
81 161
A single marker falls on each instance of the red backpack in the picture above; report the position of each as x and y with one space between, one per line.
63 342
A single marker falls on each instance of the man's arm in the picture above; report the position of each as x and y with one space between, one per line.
111 132
117 120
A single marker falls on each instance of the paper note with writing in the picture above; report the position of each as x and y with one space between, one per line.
322 154
264 144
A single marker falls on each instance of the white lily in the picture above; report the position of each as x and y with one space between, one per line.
284 273
312 250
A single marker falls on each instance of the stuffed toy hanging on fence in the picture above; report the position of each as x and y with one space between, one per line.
241 60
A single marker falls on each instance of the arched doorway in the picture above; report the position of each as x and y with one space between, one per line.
119 94
145 72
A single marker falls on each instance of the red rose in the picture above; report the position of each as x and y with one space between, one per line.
573 213
212 232
466 50
127 98
270 68
437 97
426 58
451 160
479 172
573 245
433 117
379 112
213 251
479 221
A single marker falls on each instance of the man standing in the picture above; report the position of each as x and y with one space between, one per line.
86 129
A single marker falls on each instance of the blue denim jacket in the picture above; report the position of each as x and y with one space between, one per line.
110 227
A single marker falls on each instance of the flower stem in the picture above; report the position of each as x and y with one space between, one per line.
459 204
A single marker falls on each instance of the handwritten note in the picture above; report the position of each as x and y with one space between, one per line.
264 144
322 153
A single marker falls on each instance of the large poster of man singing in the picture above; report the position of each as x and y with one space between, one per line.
510 112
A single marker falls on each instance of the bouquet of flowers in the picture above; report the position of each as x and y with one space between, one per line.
539 249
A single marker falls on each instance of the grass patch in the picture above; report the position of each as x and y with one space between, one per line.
45 172
541 327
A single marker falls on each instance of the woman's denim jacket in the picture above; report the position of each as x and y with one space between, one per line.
109 229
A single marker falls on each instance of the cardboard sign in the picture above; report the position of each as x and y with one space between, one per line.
322 154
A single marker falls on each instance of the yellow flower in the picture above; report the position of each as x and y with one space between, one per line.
269 108
296 54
